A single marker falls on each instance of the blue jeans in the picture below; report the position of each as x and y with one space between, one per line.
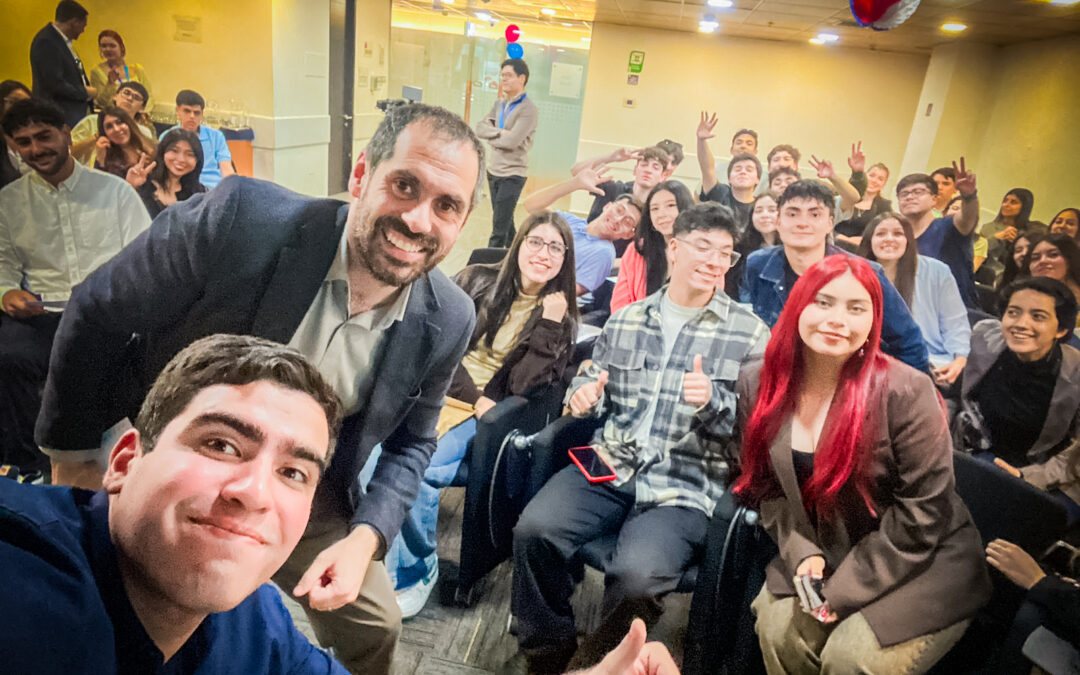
412 554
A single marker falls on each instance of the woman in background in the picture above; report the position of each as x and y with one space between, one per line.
1067 221
174 175
107 76
1012 220
846 453
1056 256
643 269
872 204
120 146
761 233
927 287
11 165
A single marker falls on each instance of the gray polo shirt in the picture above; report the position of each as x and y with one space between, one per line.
344 349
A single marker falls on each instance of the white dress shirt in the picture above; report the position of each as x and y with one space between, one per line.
54 237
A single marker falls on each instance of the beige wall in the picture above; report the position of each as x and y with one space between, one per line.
232 61
820 100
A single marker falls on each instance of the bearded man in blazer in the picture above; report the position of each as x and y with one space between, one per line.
353 287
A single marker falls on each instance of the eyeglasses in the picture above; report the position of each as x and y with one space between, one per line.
535 244
913 193
706 251
130 93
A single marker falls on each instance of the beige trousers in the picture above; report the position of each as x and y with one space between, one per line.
362 633
794 642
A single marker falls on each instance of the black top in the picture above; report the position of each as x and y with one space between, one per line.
804 465
150 200
1014 397
722 194
854 226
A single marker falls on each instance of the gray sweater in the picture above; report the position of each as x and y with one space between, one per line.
509 145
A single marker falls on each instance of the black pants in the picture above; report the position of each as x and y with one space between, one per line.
24 362
654 547
505 191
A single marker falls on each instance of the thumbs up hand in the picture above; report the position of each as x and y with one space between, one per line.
587 396
697 387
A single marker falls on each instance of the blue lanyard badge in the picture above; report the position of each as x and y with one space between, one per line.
508 108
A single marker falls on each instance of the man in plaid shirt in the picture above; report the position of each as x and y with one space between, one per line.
664 372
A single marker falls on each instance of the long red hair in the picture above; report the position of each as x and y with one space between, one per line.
848 434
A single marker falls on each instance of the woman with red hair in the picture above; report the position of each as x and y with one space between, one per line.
846 453
114 70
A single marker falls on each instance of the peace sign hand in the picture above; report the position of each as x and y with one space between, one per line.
138 172
965 180
823 167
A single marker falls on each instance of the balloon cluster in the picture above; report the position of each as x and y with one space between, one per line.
883 14
513 49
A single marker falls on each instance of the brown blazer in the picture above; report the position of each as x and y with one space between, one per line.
915 568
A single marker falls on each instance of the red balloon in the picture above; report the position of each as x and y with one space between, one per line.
512 33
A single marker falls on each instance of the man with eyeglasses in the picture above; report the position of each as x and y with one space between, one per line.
594 248
663 373
131 97
950 239
804 220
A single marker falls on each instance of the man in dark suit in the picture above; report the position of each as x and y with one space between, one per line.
352 287
58 72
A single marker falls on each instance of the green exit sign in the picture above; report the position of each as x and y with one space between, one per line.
637 60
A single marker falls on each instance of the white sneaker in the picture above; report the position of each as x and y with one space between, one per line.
412 599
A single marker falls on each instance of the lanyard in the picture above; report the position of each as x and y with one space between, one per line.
504 112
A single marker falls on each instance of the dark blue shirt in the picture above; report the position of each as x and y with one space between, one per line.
768 279
64 608
943 241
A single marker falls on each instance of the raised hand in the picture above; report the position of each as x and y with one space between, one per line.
823 167
588 395
706 125
555 305
138 172
624 155
965 180
697 387
857 160
589 178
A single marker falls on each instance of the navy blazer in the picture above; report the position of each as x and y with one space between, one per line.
763 287
57 76
248 258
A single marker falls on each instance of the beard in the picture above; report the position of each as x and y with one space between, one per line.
369 234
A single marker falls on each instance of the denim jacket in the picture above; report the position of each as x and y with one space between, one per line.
763 287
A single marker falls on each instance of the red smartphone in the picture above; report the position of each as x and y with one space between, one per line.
591 464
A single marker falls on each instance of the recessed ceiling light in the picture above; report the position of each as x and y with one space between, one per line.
953 27
483 16
547 11
708 25
1064 3
816 41
723 4
447 2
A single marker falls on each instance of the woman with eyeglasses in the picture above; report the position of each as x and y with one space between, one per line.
108 75
644 266
526 318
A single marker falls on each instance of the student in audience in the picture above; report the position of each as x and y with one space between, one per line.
1067 221
107 76
1056 256
780 178
526 316
174 174
665 452
743 174
120 146
744 142
1014 264
872 204
353 287
761 234
846 454
1012 218
644 266
804 223
40 263
650 166
783 156
927 287
217 160
11 164
1019 402
131 98
947 239
945 179
202 501
675 155
59 76
594 248
509 129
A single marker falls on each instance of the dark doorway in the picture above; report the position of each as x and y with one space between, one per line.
342 79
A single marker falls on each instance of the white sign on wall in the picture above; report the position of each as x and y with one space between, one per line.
566 79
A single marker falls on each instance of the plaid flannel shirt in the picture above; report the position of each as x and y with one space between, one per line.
683 463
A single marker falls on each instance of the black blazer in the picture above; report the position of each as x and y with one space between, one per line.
57 77
248 258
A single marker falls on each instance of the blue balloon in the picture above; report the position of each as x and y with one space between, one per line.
514 50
